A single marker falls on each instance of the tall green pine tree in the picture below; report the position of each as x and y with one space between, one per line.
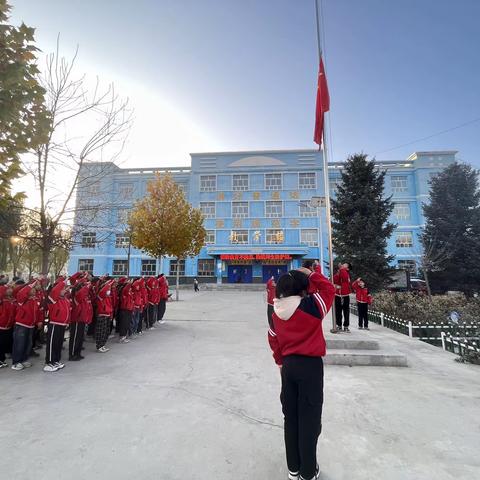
360 222
452 229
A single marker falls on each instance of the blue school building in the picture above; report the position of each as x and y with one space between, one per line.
257 209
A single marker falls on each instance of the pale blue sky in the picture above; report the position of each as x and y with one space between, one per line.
238 75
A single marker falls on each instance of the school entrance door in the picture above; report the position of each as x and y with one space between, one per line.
275 271
240 274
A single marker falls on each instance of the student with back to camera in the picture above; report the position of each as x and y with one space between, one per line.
298 346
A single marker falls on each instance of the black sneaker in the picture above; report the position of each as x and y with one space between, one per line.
346 329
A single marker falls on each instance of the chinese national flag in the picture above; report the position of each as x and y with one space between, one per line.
323 104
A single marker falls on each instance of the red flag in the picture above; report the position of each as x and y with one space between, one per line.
323 104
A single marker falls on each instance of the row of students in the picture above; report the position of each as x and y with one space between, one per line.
79 303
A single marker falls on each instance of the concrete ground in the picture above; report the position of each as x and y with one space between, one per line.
198 398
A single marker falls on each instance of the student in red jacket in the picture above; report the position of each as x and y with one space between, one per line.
104 309
25 316
271 285
59 317
82 315
364 299
163 294
137 306
144 308
7 320
298 346
126 306
342 297
152 302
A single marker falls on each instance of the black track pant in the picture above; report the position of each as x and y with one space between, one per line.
342 305
269 315
152 314
162 306
55 334
124 320
362 314
302 401
6 342
102 330
77 334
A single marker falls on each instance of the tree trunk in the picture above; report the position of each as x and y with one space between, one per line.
427 283
178 279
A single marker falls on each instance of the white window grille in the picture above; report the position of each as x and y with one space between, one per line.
149 267
275 236
404 240
210 237
121 240
399 183
239 237
240 182
307 180
126 191
309 237
239 209
208 183
273 181
208 209
173 267
120 267
401 211
89 239
206 267
306 210
85 265
273 209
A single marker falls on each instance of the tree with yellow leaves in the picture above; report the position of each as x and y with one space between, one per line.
164 223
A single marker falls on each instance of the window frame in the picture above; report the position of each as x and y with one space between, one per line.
397 188
89 244
266 213
403 244
235 187
313 211
209 188
80 269
307 187
123 244
402 217
210 204
175 262
148 262
126 195
243 214
206 273
243 232
269 231
214 237
313 243
267 175
117 262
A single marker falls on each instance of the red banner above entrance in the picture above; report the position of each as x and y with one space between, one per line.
260 256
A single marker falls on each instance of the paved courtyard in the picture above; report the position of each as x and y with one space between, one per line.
198 398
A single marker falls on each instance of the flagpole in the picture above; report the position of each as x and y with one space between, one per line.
325 177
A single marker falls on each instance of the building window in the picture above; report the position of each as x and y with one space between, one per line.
240 182
399 183
273 209
208 183
122 215
149 267
306 210
409 265
206 268
404 240
126 191
309 237
273 181
120 267
401 211
275 236
307 180
85 265
208 209
333 184
239 209
239 237
93 189
210 237
182 187
173 267
122 240
89 239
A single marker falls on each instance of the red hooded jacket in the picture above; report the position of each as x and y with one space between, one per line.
127 298
297 321
82 309
59 307
104 299
361 293
26 311
342 283
7 309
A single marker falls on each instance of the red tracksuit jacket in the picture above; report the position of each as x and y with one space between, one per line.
59 308
298 321
26 311
104 300
82 309
270 291
361 294
127 298
342 283
7 309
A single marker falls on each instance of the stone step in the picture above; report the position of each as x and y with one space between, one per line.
351 344
366 358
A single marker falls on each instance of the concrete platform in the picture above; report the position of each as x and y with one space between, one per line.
198 398
365 358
